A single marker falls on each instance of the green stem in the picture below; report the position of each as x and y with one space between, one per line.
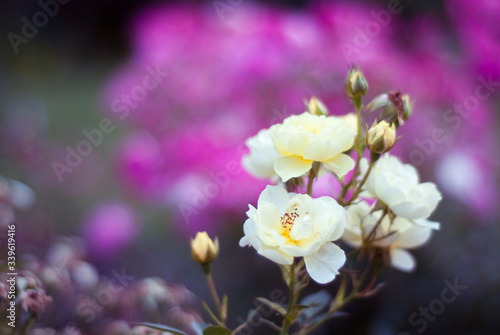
373 232
313 173
358 105
360 185
309 184
347 186
293 297
357 146
215 296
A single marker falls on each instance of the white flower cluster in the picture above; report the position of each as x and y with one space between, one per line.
287 224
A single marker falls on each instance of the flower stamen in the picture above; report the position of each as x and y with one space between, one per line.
287 221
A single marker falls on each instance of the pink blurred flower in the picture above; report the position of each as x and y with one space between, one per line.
478 32
110 228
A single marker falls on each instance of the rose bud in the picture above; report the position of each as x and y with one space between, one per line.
356 85
380 138
203 249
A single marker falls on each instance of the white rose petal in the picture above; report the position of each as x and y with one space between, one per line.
260 160
306 138
323 265
287 225
291 167
340 164
397 185
402 260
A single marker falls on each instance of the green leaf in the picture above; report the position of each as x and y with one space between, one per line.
160 327
214 330
277 307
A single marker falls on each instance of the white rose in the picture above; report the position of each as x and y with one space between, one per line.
306 138
260 160
397 185
287 225
403 234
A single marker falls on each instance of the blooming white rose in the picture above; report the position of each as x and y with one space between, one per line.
260 160
306 138
287 225
398 237
397 185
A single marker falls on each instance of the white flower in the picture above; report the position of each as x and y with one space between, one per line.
306 138
397 185
287 225
398 237
260 160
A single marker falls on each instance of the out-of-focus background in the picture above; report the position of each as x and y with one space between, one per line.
127 120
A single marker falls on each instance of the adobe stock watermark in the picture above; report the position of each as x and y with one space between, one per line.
94 137
104 296
436 307
364 36
29 28
224 6
453 117
220 180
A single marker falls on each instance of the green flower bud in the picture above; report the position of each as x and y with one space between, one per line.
356 85
381 138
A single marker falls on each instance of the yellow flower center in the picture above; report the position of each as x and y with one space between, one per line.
287 221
